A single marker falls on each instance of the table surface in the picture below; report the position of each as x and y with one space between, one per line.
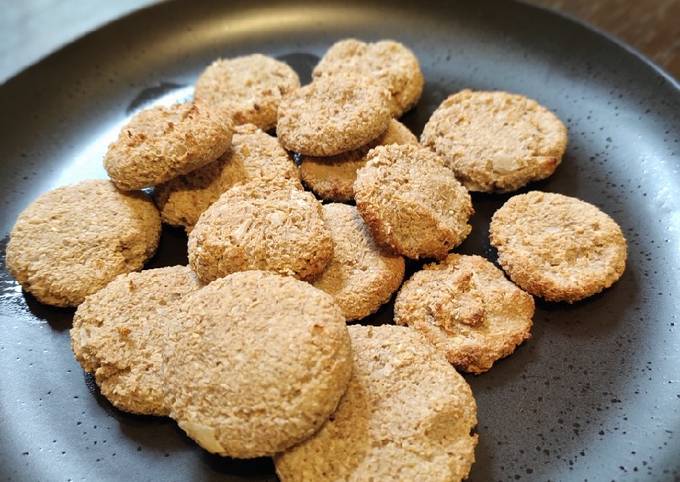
31 29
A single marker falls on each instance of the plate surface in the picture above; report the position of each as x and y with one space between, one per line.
595 394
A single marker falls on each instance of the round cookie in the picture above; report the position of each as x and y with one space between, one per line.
160 143
466 308
361 276
332 178
119 334
254 156
496 141
265 365
411 202
278 228
249 87
73 240
332 115
558 247
407 415
387 61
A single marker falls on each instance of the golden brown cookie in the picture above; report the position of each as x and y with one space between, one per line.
407 415
73 240
466 308
257 362
558 247
332 178
361 276
249 87
332 115
386 61
249 227
119 334
160 143
254 156
496 141
411 202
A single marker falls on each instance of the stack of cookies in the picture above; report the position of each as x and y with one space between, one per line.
248 347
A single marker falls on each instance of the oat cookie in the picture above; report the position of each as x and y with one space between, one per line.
160 143
254 156
387 61
332 115
496 141
407 415
119 334
73 240
266 362
278 229
466 308
249 87
332 178
558 247
361 276
412 202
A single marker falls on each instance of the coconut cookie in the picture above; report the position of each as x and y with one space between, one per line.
332 178
333 115
407 415
164 142
249 87
386 61
266 362
558 247
411 202
119 334
361 276
496 141
275 229
73 240
254 156
466 308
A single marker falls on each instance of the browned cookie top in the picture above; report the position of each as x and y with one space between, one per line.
249 87
496 141
558 247
274 228
71 241
407 415
256 363
412 202
333 114
119 334
466 307
160 143
387 61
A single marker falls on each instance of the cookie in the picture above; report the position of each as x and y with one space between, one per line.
253 157
407 415
119 335
73 240
249 87
333 115
332 178
361 276
558 247
277 229
386 61
411 202
496 141
266 362
160 143
467 309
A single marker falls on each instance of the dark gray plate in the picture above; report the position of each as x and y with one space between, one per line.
594 395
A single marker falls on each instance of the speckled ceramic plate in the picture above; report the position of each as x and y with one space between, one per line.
595 394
